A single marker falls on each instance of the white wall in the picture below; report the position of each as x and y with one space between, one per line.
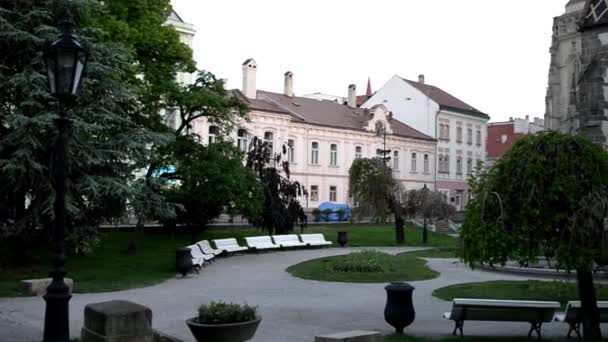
408 104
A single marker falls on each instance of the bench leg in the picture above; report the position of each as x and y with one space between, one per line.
576 327
457 327
535 327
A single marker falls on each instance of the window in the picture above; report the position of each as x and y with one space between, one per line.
469 166
459 166
333 194
504 138
396 161
444 131
214 131
333 155
291 156
426 163
314 193
269 140
241 140
358 152
314 154
470 136
458 134
444 164
478 137
413 162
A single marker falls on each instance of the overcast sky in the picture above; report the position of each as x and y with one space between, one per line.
494 55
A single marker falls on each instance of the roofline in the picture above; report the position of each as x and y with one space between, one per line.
466 112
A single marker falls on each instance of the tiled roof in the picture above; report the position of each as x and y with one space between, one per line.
446 100
332 114
258 104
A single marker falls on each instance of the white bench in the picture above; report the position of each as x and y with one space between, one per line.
534 312
574 318
228 245
260 242
315 240
290 240
207 249
198 257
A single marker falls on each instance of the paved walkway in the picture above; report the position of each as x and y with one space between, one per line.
293 310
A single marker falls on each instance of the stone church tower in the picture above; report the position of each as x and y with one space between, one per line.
577 96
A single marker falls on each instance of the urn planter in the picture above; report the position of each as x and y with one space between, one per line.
231 332
342 238
399 311
183 261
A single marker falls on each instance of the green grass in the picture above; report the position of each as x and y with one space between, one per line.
441 253
518 290
392 268
109 268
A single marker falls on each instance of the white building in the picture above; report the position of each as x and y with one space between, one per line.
324 137
459 128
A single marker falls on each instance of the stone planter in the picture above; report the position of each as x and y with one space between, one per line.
183 261
399 311
342 238
232 332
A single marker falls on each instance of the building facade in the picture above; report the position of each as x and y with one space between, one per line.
503 135
324 137
459 128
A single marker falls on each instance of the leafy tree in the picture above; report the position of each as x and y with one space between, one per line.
327 214
547 196
105 145
212 180
281 208
430 205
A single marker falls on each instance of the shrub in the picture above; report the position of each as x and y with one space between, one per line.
225 313
316 212
361 262
326 214
341 212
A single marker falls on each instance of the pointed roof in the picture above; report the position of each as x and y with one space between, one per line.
176 17
595 15
369 92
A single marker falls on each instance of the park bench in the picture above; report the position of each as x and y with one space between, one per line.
198 257
260 242
534 312
228 245
573 316
205 246
315 240
290 240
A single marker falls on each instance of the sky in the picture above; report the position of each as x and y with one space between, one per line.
492 54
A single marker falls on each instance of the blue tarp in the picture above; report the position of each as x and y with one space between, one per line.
335 207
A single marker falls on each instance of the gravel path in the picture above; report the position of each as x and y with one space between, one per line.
293 310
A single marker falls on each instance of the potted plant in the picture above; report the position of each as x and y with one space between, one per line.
224 322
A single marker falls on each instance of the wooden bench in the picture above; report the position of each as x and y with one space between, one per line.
228 245
534 312
573 316
198 257
315 240
260 242
290 240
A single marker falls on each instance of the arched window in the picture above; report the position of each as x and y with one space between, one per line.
214 131
241 140
333 155
358 152
396 161
314 153
269 139
413 162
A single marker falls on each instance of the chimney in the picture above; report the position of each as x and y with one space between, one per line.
352 96
527 118
289 84
421 78
250 68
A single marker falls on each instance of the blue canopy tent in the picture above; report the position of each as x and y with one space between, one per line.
334 208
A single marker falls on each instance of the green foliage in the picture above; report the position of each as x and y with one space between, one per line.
326 214
560 291
428 204
361 262
372 187
225 313
341 212
316 212
84 240
547 196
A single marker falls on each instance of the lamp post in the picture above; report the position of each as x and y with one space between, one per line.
425 193
381 132
66 59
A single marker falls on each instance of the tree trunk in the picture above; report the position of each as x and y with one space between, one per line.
590 312
399 230
135 236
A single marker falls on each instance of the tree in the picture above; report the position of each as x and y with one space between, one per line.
431 205
281 208
212 180
105 146
547 196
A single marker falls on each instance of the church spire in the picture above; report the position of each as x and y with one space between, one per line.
369 92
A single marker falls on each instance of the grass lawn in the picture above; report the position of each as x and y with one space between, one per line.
518 290
364 267
109 268
440 253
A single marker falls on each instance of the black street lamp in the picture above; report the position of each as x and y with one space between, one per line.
425 193
381 132
66 60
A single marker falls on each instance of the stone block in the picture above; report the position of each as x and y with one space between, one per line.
352 336
117 321
37 287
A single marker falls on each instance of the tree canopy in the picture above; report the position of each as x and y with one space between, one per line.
546 197
372 187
